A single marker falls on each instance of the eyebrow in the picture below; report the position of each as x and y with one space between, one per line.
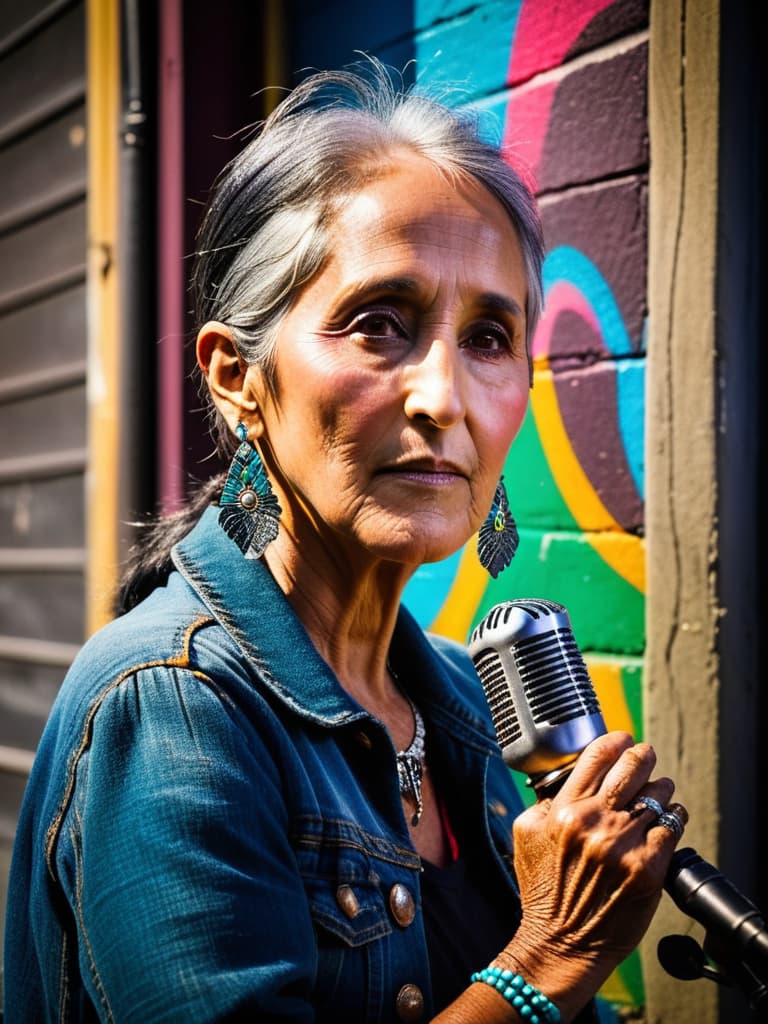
502 303
410 286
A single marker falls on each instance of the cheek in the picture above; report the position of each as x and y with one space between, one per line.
360 403
349 419
498 425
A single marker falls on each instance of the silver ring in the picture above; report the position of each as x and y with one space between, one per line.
670 820
641 803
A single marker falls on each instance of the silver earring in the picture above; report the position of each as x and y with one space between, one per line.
498 538
249 509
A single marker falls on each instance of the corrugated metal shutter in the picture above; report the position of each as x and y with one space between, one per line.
42 381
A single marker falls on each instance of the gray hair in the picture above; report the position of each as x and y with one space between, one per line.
265 231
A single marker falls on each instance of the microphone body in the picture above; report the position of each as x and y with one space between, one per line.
545 711
543 704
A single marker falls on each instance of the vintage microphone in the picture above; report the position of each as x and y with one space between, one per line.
545 711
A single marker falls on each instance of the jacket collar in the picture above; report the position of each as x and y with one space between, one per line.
245 599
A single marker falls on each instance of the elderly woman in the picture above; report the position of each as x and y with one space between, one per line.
264 793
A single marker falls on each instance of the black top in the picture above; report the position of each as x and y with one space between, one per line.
466 927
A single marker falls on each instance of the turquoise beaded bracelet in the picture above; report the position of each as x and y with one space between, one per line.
530 1004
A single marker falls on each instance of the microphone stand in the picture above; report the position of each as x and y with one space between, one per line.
683 958
736 938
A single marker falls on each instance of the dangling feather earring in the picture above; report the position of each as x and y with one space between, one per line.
498 538
249 509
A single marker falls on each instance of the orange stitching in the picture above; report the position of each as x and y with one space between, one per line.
63 979
180 661
79 905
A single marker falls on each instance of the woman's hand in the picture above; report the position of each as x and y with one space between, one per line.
591 867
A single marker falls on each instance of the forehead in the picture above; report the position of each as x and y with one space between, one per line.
415 213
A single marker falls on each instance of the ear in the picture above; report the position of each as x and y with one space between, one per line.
229 379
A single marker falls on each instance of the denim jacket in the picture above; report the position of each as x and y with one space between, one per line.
212 829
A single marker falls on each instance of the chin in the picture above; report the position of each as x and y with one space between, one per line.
414 540
416 552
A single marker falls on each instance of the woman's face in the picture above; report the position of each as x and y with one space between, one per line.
401 374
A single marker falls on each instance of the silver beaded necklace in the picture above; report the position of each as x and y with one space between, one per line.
410 765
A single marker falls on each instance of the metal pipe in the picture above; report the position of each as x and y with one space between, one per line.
136 259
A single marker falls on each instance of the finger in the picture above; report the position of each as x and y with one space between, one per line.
630 776
593 764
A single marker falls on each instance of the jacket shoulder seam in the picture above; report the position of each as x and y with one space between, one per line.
179 660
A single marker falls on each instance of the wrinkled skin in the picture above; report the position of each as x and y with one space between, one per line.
591 875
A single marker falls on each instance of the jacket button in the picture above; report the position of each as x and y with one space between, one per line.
409 1004
402 904
345 897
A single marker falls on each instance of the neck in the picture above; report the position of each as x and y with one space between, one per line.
350 612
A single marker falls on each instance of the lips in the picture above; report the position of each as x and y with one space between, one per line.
427 468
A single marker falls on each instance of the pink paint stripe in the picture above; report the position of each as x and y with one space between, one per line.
545 33
171 257
525 129
562 297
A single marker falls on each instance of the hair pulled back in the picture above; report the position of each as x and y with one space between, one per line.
265 230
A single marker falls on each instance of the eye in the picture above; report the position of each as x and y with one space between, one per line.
490 338
378 324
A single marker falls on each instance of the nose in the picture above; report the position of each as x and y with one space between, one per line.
434 385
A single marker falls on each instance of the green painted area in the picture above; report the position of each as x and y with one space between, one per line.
632 684
631 974
534 497
607 613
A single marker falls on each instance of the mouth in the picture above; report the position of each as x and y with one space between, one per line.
434 472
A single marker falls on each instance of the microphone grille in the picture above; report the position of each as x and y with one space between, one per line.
498 617
539 692
506 721
554 677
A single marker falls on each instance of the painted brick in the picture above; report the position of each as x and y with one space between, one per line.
427 13
565 567
587 125
471 50
596 419
605 226
602 412
547 35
